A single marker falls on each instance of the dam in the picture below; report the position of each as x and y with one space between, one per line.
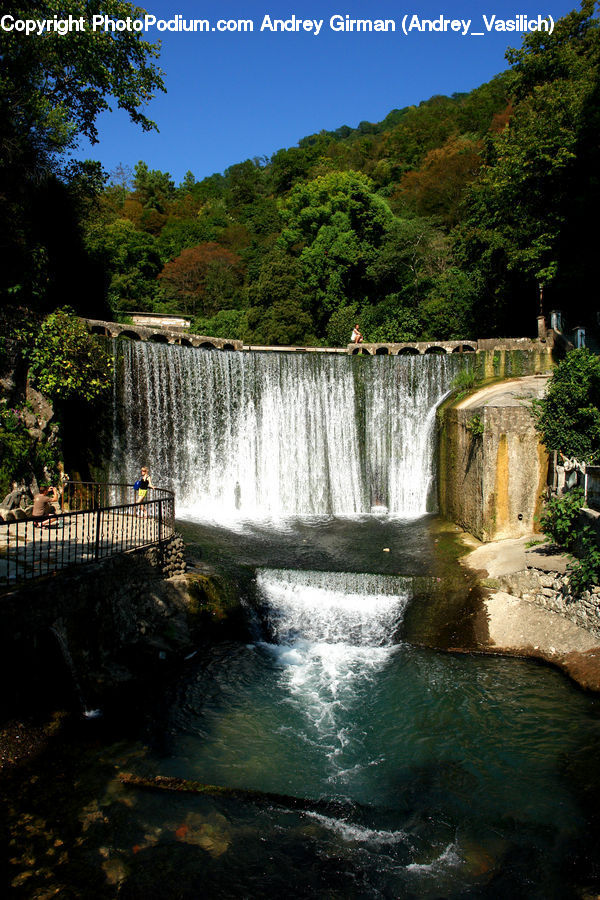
309 482
275 435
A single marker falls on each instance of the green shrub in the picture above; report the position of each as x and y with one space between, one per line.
560 518
65 361
562 522
585 571
475 425
465 382
568 417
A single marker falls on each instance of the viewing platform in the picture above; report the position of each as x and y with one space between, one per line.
97 521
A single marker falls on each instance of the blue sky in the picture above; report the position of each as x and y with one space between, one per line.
234 96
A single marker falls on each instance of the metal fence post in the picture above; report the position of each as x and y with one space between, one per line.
98 525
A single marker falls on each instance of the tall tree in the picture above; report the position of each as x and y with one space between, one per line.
52 90
540 182
202 278
335 224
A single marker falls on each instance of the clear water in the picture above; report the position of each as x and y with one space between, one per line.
426 774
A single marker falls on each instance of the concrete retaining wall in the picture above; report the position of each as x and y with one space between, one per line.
106 622
492 468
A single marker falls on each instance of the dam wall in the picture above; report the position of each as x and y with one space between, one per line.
492 468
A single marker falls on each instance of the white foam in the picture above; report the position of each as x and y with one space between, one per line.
449 859
357 834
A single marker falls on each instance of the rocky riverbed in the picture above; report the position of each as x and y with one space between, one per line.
529 608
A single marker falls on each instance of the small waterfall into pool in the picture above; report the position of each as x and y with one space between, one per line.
333 607
273 435
332 633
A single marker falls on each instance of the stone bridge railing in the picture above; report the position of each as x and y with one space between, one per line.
185 339
161 335
423 347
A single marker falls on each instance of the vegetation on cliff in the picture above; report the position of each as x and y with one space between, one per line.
51 371
441 221
568 419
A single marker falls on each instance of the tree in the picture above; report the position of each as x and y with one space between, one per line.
528 214
130 260
52 90
335 224
65 362
153 188
192 277
340 325
437 187
277 314
568 417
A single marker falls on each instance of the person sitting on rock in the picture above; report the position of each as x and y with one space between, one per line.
43 509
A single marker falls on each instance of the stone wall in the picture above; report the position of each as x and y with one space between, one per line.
105 625
551 590
492 471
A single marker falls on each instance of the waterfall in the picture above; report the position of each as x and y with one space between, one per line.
332 607
332 634
270 435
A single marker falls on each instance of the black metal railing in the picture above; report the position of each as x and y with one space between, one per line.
96 521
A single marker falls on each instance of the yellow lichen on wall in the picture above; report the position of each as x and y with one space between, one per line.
501 488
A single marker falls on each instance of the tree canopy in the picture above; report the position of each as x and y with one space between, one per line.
441 221
52 91
568 417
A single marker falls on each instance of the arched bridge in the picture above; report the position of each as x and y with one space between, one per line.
415 348
161 335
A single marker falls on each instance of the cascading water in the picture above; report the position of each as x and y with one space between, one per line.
333 632
274 435
422 774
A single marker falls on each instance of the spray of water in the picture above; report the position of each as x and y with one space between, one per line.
268 436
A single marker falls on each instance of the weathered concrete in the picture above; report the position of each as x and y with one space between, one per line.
161 335
488 346
493 468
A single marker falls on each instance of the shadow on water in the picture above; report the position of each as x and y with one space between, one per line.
368 544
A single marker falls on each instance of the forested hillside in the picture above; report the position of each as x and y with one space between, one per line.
442 221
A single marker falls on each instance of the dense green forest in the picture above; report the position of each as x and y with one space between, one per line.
441 221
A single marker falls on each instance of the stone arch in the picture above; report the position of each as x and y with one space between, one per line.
227 347
206 345
158 338
382 351
130 335
435 350
184 342
464 348
408 351
101 330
